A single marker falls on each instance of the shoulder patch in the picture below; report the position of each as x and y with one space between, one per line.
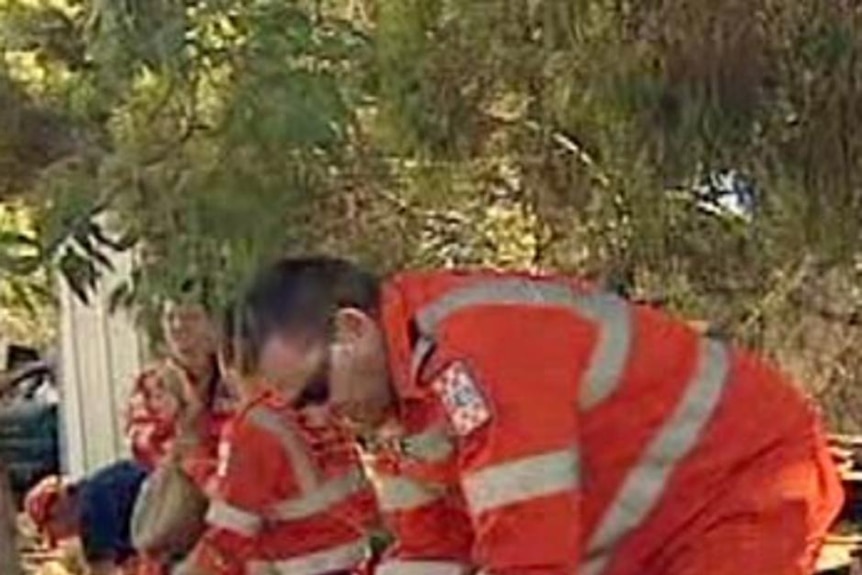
463 400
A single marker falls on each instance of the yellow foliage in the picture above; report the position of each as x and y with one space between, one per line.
34 323
513 234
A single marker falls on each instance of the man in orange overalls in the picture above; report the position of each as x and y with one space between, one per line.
291 493
528 425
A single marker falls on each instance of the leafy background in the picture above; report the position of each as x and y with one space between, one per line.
212 135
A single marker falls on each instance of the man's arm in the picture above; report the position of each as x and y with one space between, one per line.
507 396
253 475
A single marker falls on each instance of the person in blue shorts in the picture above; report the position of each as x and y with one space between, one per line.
96 509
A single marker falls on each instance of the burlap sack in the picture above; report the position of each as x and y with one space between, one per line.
169 514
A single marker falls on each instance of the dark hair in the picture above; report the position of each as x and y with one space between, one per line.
303 294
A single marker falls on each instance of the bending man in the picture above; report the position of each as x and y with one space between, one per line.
527 425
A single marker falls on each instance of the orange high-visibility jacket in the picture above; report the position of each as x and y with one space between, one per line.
292 496
546 429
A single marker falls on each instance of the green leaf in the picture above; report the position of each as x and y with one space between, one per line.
80 274
121 297
85 242
122 243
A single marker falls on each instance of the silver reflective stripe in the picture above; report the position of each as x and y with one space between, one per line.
432 445
406 567
398 493
612 314
292 444
227 517
522 480
610 356
322 498
421 350
342 558
644 487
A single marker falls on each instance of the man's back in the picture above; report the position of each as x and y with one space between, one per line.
559 395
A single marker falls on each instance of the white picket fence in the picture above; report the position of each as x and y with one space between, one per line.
100 354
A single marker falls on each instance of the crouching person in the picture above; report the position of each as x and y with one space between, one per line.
291 495
95 510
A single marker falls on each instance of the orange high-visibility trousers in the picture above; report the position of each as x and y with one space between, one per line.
773 522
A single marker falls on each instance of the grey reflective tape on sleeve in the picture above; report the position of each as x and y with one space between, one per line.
522 480
230 518
322 498
398 493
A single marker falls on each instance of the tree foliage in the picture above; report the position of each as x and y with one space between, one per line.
214 135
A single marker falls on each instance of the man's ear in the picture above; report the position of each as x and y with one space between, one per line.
351 324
